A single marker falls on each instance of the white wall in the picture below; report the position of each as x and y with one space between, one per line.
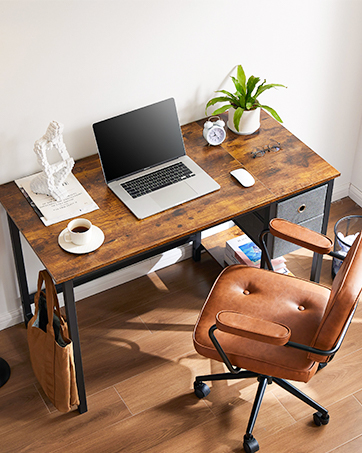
79 61
355 191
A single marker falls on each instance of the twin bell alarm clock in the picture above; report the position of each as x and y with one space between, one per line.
214 132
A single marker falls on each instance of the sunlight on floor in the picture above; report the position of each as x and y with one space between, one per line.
155 279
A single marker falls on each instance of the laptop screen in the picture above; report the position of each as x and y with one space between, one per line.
139 139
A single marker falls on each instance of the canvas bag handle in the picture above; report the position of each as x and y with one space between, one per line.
51 298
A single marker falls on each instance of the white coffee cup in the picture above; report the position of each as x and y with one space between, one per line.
79 231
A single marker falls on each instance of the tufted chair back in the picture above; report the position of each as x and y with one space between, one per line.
344 296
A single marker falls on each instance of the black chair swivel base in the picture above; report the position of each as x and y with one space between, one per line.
4 372
250 444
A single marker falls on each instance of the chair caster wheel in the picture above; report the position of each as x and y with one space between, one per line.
201 390
320 419
321 366
250 444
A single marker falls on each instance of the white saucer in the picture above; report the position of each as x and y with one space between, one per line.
96 241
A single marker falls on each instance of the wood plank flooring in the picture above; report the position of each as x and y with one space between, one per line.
140 364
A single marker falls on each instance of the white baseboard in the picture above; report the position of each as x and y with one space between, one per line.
355 194
11 318
340 191
347 190
8 319
127 274
132 272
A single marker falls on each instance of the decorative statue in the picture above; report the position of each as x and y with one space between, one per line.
50 180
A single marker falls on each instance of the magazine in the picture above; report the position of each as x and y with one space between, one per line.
242 250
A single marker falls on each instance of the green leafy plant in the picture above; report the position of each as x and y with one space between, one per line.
245 97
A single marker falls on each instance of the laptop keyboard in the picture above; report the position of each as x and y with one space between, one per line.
157 180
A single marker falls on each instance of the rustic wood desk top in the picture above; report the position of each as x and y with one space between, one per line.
278 175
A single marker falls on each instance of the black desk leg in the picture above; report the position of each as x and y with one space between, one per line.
197 247
20 270
317 258
71 312
315 272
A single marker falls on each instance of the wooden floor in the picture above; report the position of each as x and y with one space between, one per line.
140 364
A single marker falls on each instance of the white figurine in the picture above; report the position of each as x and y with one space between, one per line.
50 180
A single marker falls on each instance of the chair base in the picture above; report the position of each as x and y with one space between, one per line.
250 444
4 372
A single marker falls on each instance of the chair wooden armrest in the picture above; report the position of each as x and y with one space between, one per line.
301 236
253 328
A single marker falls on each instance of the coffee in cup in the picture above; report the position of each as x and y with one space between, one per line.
79 231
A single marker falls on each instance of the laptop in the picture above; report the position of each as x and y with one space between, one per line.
144 161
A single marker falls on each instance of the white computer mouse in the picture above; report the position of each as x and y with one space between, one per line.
243 176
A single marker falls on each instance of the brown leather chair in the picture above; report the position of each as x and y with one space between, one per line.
274 327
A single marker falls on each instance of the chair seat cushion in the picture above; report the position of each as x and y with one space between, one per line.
270 296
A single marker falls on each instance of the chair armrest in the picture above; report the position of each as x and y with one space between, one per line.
257 329
301 236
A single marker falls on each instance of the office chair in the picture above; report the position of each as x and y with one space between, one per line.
273 327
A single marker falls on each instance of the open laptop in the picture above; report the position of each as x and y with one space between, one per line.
137 148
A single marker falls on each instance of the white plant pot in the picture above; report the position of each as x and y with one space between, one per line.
249 121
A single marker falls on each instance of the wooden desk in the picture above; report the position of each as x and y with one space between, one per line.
291 171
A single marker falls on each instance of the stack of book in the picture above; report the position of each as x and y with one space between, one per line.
242 250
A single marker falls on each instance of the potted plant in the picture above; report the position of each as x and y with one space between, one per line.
243 105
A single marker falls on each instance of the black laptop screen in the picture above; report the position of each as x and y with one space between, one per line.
139 139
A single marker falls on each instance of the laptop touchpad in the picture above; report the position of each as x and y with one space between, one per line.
173 195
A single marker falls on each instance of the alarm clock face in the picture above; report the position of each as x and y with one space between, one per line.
216 135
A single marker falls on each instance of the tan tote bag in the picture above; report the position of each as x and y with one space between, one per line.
51 350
